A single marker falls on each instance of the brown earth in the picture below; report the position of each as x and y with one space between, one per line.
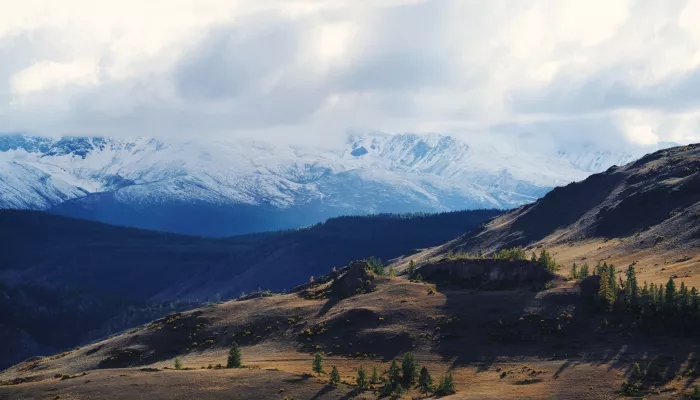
500 343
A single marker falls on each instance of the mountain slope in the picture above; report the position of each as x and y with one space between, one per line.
645 212
223 188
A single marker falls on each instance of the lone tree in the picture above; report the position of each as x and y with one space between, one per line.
334 377
361 378
409 368
425 381
234 357
177 363
317 365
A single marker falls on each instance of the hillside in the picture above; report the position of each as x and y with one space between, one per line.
511 341
56 269
645 212
224 188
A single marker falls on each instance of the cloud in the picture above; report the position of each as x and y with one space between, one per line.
305 70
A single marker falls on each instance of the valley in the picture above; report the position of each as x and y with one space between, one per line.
498 308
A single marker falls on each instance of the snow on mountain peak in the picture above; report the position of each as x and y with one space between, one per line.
369 173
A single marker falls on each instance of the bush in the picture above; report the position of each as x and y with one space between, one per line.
177 363
234 357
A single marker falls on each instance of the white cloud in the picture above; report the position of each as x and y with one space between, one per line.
49 75
312 68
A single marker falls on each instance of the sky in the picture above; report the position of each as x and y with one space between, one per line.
612 72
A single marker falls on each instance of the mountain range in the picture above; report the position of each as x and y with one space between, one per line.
220 188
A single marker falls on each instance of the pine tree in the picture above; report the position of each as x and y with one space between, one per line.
683 297
670 298
694 300
361 378
409 368
334 377
177 363
394 373
375 376
425 381
317 365
234 357
411 269
631 286
574 273
583 272
645 290
392 271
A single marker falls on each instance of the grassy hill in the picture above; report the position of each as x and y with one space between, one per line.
86 280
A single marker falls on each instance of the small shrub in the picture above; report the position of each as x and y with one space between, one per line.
177 363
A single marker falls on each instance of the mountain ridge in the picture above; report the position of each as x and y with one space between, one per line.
249 185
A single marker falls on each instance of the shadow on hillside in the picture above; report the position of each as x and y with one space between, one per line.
478 328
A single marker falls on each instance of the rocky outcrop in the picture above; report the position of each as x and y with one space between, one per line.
356 279
485 273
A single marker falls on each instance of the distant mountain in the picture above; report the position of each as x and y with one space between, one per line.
223 188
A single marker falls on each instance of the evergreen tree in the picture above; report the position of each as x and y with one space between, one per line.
409 368
631 286
583 272
694 300
546 261
411 269
446 385
606 293
645 290
425 381
361 378
574 273
670 298
394 373
177 363
234 357
683 297
392 271
317 364
612 281
375 376
334 377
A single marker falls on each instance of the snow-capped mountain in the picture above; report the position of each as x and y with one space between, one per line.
220 188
